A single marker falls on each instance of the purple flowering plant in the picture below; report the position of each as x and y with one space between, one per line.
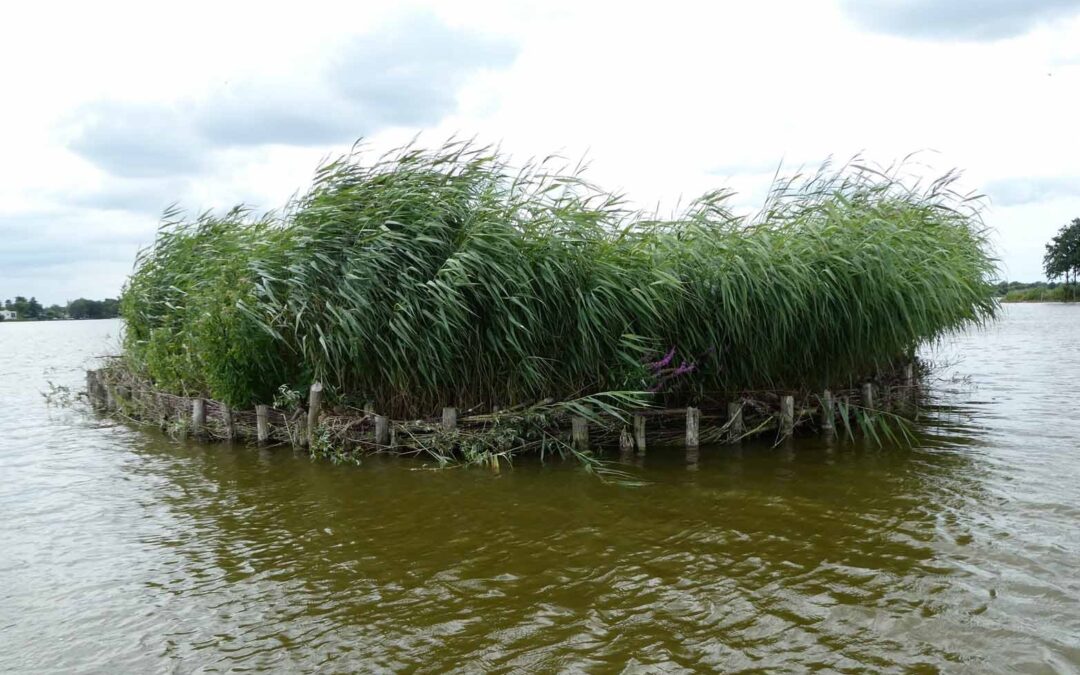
664 374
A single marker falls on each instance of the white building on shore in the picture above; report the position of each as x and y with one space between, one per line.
7 315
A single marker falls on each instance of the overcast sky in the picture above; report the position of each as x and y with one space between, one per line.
112 111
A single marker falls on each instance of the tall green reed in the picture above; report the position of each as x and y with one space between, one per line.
424 278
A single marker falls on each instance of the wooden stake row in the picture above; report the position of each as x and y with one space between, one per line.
384 436
735 426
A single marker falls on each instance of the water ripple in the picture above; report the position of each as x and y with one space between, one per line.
124 551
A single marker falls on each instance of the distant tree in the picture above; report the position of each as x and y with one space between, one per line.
31 309
20 306
1062 257
34 309
109 308
82 309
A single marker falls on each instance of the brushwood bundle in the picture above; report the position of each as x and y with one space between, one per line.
422 279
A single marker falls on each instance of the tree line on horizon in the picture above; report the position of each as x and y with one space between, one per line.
82 308
1061 261
1062 257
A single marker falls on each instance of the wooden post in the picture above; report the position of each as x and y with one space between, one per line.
693 422
314 409
735 419
639 434
298 433
827 414
909 382
787 415
868 395
626 443
93 392
106 393
198 416
369 412
227 421
382 430
579 433
102 390
449 418
262 423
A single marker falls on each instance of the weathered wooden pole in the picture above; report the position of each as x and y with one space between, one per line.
227 422
93 391
449 418
313 412
735 419
693 423
262 423
110 397
299 436
868 395
639 434
198 416
909 382
787 415
626 443
382 430
579 433
828 425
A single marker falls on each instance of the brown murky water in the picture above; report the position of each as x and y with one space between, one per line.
122 551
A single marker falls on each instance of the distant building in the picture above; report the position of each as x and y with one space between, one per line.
7 315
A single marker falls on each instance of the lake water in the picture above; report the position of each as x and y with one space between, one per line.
122 551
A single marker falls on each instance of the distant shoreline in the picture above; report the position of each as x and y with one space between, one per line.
108 318
1039 291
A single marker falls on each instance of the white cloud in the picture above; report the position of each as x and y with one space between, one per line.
1033 189
124 108
138 140
959 19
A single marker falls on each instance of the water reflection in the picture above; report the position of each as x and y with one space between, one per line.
801 553
130 552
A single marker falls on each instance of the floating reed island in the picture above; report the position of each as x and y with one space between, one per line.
447 302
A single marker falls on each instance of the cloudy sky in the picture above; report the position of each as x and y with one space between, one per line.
112 111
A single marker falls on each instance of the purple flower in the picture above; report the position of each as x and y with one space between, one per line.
683 369
663 363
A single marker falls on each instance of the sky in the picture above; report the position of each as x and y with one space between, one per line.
113 111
